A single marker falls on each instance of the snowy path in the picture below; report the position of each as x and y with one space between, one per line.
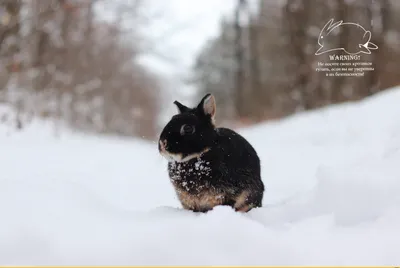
332 178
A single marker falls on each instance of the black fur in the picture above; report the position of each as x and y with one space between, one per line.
225 169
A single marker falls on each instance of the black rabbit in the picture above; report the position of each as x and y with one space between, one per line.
210 166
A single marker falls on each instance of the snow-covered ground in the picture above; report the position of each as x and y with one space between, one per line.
333 197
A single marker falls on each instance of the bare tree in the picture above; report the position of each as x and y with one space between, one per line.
240 59
77 69
298 13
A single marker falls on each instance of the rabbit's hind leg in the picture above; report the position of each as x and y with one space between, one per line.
248 200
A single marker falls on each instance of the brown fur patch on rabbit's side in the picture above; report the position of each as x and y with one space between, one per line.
202 201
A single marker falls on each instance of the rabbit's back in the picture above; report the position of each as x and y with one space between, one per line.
237 152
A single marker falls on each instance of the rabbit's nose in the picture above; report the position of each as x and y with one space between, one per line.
163 145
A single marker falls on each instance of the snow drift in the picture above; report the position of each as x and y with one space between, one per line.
332 197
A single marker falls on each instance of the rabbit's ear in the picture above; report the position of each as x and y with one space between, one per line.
207 106
181 108
329 25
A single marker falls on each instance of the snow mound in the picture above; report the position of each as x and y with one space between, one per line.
332 197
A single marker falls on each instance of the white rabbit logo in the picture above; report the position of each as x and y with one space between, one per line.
361 36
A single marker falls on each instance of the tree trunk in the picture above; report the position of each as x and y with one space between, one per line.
297 15
258 100
239 53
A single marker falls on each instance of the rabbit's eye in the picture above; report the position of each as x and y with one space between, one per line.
187 129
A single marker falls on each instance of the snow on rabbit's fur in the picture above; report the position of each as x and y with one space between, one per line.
332 197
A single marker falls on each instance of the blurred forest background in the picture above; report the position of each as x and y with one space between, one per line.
59 61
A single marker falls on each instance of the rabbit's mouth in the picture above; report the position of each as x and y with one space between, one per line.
171 157
179 157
